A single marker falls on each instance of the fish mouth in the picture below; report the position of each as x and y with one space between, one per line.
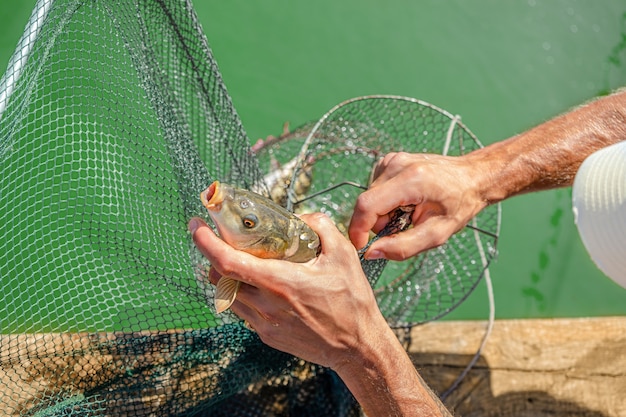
213 197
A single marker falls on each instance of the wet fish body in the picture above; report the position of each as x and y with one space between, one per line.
255 224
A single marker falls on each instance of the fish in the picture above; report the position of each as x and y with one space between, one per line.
278 180
257 225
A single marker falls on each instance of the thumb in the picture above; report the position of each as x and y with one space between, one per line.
433 232
331 239
210 245
228 261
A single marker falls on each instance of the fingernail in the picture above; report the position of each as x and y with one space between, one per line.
194 224
373 254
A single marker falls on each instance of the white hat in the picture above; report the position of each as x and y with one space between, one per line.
599 204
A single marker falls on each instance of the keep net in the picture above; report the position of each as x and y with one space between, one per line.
113 118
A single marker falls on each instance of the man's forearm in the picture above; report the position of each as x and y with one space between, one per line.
385 382
549 155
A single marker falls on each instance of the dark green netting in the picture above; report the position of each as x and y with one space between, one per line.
113 118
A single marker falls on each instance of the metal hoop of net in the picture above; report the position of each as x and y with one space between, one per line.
324 166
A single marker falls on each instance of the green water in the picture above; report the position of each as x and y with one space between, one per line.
502 66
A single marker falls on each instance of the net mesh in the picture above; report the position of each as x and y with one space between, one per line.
324 166
113 118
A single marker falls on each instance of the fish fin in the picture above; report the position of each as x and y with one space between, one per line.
225 293
293 232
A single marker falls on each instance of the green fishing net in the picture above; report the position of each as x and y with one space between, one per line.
113 118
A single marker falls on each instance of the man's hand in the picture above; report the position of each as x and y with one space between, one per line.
443 189
324 311
320 310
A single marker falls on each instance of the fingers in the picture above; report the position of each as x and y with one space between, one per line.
214 275
373 207
268 328
432 232
331 238
247 313
403 179
212 247
226 260
390 165
388 191
381 166
371 211
251 302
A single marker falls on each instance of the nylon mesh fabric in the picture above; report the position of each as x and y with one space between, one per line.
113 119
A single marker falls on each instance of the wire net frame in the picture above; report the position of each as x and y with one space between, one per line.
333 162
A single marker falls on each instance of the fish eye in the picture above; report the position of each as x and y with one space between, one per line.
250 221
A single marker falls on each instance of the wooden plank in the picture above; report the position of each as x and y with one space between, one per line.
138 372
573 367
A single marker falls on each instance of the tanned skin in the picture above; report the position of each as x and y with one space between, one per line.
324 310
449 191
